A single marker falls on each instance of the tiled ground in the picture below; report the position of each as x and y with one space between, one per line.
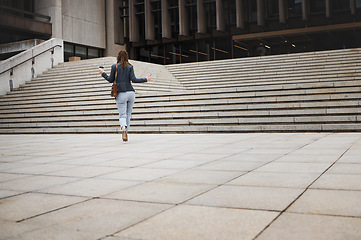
201 186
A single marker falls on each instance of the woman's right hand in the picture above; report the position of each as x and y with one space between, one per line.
101 71
149 78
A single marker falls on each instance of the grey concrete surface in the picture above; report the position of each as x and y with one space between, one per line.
181 186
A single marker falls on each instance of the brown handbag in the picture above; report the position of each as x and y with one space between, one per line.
114 92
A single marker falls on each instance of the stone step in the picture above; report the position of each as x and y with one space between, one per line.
285 93
85 73
282 58
280 102
87 84
179 96
233 83
226 77
216 105
268 67
77 89
335 113
348 71
300 95
113 122
245 93
90 80
332 127
241 83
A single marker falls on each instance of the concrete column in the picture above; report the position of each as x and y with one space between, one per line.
115 24
166 27
305 10
282 11
328 8
53 9
133 23
183 18
240 14
114 29
353 6
201 17
261 12
221 26
149 21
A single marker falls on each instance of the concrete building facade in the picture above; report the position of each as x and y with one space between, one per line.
86 26
178 31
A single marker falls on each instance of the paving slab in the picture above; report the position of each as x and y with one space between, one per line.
84 171
52 232
350 158
217 177
28 205
231 166
180 186
11 176
176 164
8 193
304 226
14 230
253 157
161 192
91 187
259 198
351 168
275 179
197 222
34 183
338 181
39 169
312 158
139 174
100 217
329 202
294 167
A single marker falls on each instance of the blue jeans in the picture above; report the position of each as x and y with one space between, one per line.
125 102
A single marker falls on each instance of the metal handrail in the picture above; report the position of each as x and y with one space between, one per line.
22 12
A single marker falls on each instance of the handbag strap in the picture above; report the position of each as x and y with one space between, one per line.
116 71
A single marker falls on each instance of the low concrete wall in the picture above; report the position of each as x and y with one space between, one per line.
18 69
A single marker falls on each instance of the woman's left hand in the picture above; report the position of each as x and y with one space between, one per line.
101 71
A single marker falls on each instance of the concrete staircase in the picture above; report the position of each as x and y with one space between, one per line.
308 92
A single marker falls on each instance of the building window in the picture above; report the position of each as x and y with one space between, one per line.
232 12
192 14
211 14
80 51
93 53
252 6
174 17
84 52
340 5
272 9
317 6
358 3
18 7
295 7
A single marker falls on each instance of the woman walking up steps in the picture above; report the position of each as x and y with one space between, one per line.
123 73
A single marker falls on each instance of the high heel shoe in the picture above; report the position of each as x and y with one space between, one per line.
124 134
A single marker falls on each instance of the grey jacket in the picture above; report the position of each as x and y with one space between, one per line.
124 78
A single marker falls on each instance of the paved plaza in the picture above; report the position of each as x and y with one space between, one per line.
178 186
